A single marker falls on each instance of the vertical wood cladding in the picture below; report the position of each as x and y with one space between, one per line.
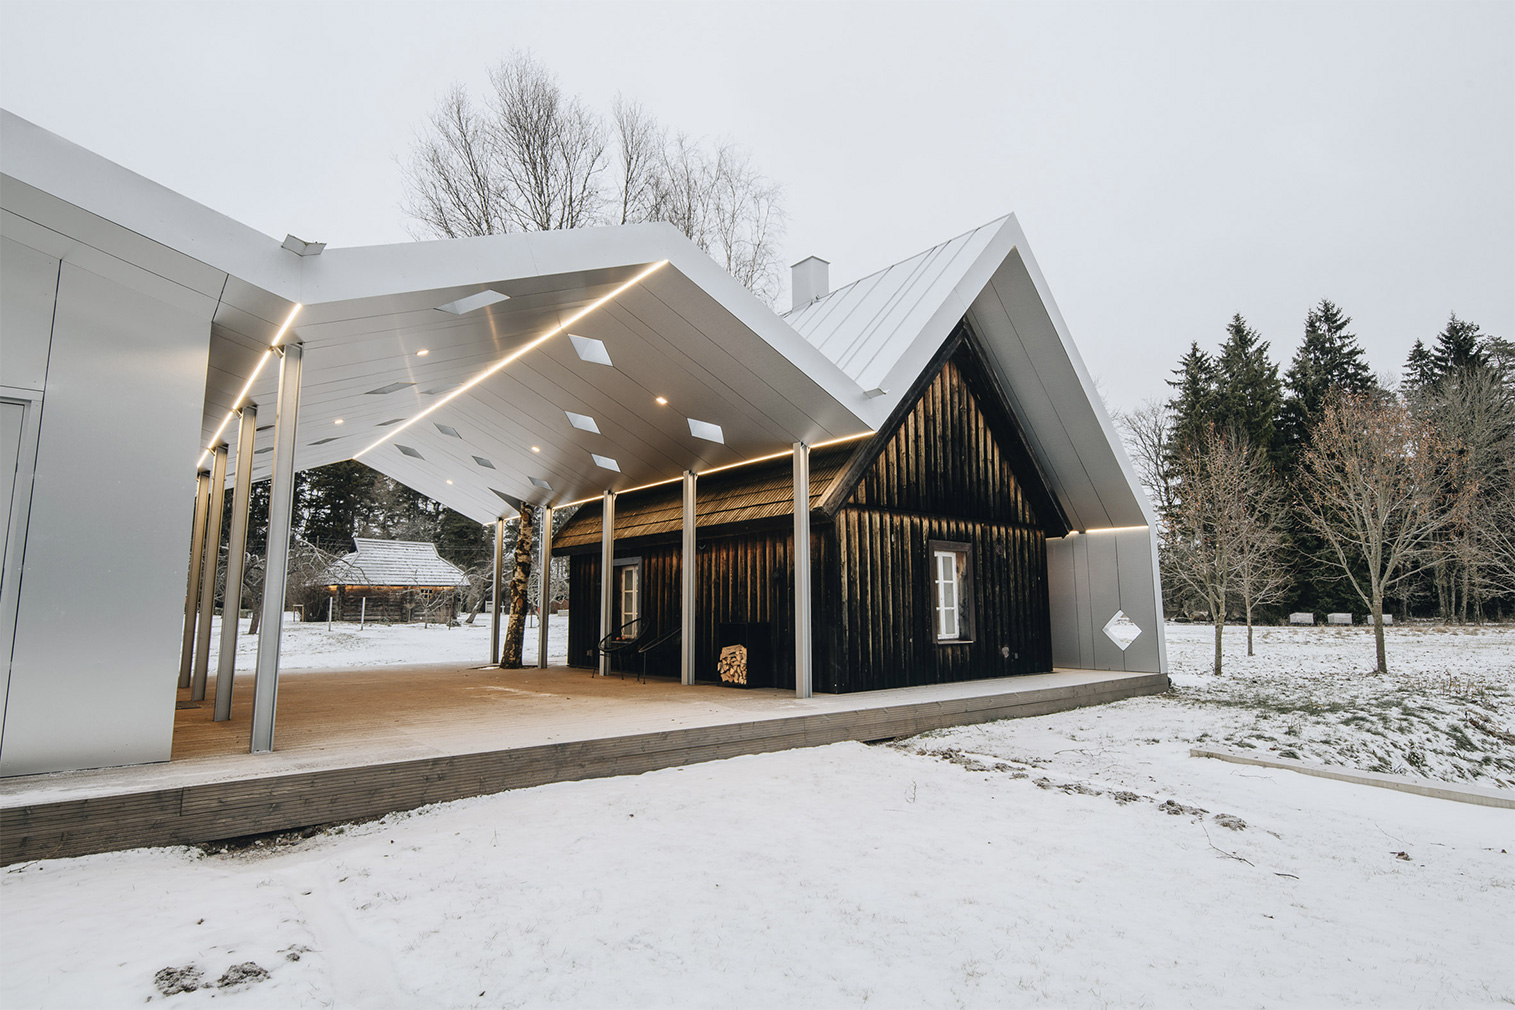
950 470
742 578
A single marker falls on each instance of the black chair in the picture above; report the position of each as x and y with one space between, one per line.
653 644
624 639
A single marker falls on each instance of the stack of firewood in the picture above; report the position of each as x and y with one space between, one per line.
733 664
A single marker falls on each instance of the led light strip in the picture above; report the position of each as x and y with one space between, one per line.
237 403
513 355
727 466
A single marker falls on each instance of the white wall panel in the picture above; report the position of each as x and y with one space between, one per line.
108 547
1090 576
28 281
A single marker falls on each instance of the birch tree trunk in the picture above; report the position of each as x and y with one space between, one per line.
520 583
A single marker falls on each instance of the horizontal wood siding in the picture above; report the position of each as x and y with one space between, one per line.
883 621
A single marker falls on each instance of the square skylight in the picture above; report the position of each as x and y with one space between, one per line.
472 302
382 390
483 462
448 429
590 349
704 429
583 422
606 462
407 450
539 482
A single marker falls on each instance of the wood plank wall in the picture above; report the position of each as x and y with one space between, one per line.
742 578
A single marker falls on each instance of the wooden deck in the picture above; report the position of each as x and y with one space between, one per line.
363 743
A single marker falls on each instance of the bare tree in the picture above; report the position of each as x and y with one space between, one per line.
520 581
532 161
1262 569
1207 524
1148 434
1377 485
640 144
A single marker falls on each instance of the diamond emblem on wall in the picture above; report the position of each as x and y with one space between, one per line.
1121 630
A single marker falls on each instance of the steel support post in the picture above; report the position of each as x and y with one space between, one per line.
544 586
688 564
280 515
802 668
216 508
192 589
236 561
607 573
498 588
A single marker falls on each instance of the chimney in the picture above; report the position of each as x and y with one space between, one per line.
809 280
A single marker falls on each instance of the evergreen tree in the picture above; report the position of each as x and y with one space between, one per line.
1420 370
1329 361
337 504
1248 394
1458 348
1194 403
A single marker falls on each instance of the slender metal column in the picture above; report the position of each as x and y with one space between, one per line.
280 515
192 589
801 570
236 561
688 563
544 585
217 507
499 586
607 570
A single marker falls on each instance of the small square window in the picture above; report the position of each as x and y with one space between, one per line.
952 591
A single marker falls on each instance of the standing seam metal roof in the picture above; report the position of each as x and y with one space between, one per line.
393 563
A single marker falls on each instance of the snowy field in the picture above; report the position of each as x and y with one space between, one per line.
1078 859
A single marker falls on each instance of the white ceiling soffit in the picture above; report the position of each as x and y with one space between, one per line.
884 329
685 332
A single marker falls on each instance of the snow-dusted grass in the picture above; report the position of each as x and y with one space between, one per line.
1078 859
1445 710
305 646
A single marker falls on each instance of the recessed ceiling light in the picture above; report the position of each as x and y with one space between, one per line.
422 352
449 482
536 448
337 421
590 349
582 421
606 462
704 429
662 401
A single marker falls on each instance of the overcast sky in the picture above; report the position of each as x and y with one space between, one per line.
1171 164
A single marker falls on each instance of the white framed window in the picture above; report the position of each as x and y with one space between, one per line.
952 584
628 583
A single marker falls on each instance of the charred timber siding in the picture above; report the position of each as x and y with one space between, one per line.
745 578
943 475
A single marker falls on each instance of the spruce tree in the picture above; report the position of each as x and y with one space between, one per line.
1248 394
1458 348
1420 370
1329 361
1194 402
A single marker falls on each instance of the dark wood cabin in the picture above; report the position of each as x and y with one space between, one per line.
928 550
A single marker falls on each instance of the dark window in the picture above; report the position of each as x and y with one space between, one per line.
952 591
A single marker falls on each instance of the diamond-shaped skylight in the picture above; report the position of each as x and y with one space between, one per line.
407 450
265 427
590 349
473 302
539 482
386 424
323 441
483 462
436 390
583 422
448 429
266 448
389 388
606 462
704 429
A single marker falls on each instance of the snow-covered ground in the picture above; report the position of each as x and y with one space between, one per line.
1077 859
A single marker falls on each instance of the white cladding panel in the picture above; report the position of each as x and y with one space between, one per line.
28 281
1089 578
108 544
